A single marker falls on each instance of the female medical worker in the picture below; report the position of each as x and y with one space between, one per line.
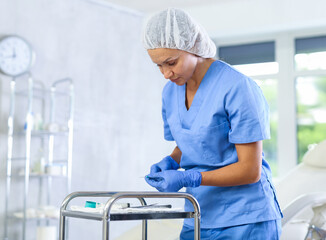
218 118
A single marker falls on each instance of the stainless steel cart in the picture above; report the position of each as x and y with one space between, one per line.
107 216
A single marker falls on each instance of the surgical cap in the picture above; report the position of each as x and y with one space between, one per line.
176 29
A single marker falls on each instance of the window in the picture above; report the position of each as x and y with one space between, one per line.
310 53
248 53
310 61
258 61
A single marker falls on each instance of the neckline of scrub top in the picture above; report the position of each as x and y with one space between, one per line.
187 117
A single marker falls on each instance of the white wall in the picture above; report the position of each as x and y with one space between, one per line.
118 127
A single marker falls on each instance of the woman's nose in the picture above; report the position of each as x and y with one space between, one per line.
167 73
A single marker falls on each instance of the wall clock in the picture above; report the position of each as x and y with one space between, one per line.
16 56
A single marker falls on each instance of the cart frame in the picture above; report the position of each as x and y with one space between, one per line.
107 216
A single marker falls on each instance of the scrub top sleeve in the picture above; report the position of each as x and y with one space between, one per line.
248 112
167 132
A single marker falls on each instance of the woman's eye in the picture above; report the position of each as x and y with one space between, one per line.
171 63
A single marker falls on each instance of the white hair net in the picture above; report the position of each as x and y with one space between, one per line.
175 29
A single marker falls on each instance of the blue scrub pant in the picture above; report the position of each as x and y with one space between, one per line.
269 230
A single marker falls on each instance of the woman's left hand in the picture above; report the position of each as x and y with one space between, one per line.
173 180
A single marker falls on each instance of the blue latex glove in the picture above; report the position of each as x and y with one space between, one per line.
173 180
167 163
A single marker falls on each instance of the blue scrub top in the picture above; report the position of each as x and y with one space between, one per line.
228 108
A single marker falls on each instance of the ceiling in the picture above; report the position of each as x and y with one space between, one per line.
238 20
147 7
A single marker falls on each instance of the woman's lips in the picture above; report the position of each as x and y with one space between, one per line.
175 80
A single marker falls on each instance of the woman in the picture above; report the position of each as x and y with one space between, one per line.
218 118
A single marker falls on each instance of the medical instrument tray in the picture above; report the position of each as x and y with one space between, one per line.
108 216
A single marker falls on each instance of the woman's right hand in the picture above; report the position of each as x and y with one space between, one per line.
167 163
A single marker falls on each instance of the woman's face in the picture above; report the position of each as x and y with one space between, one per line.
176 65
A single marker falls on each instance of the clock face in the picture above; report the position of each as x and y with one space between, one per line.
15 56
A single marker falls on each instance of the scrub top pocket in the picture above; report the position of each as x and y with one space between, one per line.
244 198
215 148
187 142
